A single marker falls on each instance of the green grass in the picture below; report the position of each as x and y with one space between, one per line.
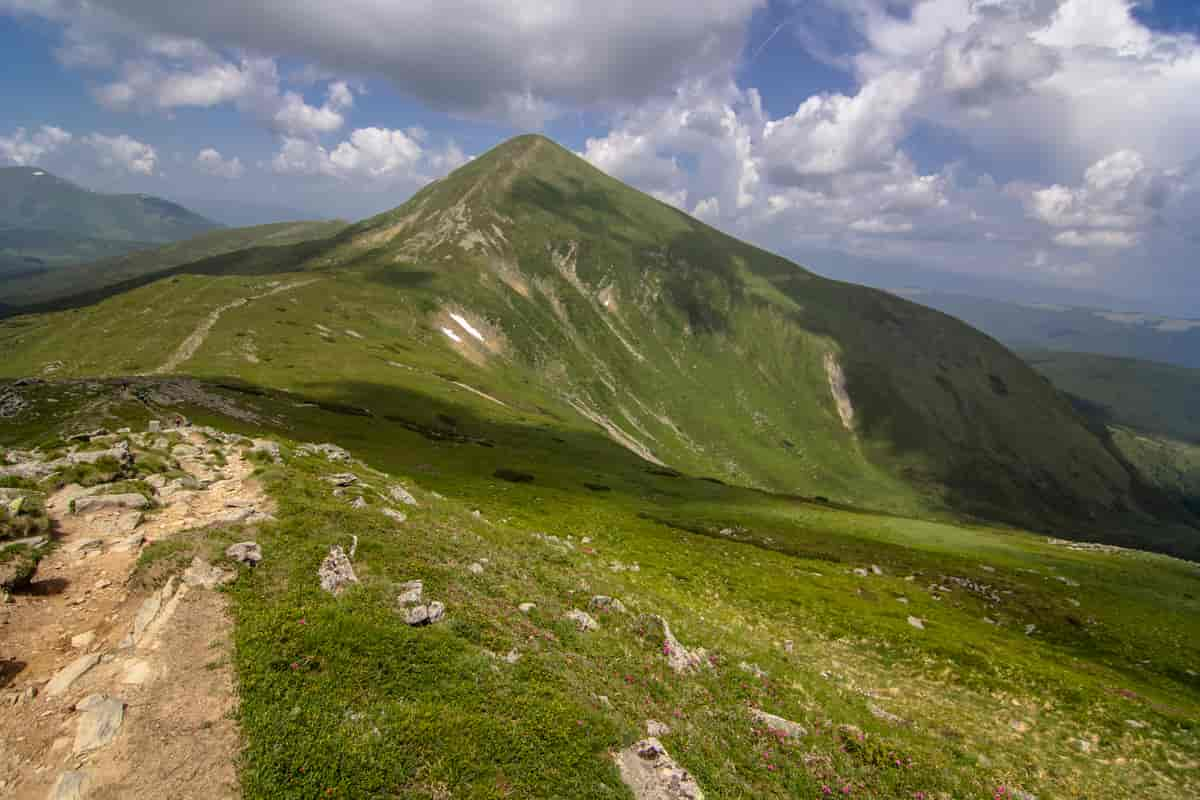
340 698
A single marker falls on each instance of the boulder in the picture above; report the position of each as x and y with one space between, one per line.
398 516
410 593
245 553
336 572
104 502
341 479
651 774
582 620
331 452
917 623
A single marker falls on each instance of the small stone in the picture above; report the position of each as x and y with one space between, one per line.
358 504
1136 724
245 553
885 715
83 641
753 669
513 657
778 725
605 603
1020 726
526 608
656 729
342 479
875 570
1082 745
437 611
398 516
103 583
789 646
1030 628
582 620
475 568
860 572
401 495
917 623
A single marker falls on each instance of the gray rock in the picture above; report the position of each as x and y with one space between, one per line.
778 725
885 715
582 620
475 568
201 573
917 623
417 616
245 553
656 729
398 516
120 453
605 603
410 593
70 786
651 774
341 479
72 672
437 611
331 452
401 495
359 504
104 502
129 543
99 724
155 427
681 659
526 608
336 572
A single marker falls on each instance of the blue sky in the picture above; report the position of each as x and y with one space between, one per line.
1043 142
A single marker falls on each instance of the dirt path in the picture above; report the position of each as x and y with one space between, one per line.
150 715
196 338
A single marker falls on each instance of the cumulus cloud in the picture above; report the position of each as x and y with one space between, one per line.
498 58
123 152
22 149
211 162
377 154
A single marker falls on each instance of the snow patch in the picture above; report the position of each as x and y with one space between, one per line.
38 174
452 336
466 326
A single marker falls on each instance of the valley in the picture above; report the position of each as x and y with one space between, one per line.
561 493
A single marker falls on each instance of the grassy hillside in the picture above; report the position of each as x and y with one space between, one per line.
46 285
557 291
1149 397
1038 668
1151 410
1078 330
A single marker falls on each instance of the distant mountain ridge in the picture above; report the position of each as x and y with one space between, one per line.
46 222
532 277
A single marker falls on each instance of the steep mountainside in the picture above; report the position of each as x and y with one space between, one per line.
561 293
46 221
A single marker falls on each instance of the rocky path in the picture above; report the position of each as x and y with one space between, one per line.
196 338
108 692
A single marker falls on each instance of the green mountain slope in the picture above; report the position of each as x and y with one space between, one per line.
46 222
562 294
1078 330
38 287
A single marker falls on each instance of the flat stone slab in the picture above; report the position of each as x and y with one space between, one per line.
72 672
201 573
651 774
101 502
70 786
778 725
99 724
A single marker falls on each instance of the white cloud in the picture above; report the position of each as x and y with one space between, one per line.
24 150
1109 239
211 162
123 152
500 58
376 154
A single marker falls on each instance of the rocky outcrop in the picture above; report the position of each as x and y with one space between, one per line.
336 572
651 774
679 658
